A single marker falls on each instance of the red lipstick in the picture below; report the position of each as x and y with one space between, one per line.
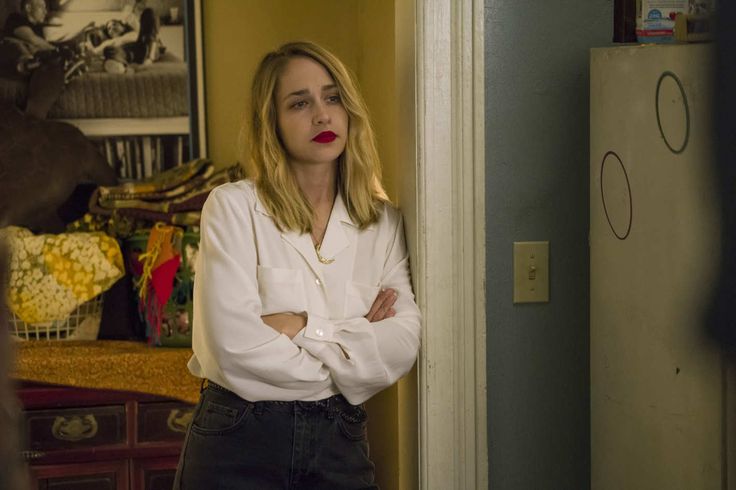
325 137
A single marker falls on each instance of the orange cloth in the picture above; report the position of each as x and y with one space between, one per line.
108 364
160 263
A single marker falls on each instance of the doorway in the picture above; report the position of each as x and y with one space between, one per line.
420 67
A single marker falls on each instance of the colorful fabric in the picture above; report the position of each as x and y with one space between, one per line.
51 275
170 183
174 197
160 263
174 319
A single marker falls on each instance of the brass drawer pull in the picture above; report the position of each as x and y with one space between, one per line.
31 455
74 428
179 420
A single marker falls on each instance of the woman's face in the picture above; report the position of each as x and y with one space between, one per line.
114 28
311 119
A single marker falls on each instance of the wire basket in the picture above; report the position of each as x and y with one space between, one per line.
82 324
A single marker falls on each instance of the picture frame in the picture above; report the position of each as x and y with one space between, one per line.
195 45
145 114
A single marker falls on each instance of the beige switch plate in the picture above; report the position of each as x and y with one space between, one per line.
531 272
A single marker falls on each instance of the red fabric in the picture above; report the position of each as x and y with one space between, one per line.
160 288
162 279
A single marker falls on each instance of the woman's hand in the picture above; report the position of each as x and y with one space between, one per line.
382 307
288 324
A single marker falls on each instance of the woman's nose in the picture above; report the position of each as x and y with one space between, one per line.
321 115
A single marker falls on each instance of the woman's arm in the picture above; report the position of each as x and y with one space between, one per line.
128 37
366 357
290 324
26 34
229 336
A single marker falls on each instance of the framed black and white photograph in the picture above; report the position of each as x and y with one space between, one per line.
133 72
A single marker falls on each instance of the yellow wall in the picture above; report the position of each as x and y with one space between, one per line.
237 33
405 145
362 33
376 73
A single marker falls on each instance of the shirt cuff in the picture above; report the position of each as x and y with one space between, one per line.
319 329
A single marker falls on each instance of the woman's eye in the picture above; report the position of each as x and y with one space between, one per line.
334 99
299 104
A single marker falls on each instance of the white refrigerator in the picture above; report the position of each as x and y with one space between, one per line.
660 396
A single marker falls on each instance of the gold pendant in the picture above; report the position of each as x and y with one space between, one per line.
320 258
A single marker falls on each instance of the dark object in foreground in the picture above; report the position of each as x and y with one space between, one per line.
721 319
41 164
13 469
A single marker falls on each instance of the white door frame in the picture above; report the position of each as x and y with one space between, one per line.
449 243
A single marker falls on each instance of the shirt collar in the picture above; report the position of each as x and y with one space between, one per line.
339 210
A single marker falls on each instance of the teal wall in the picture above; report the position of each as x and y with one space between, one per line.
536 62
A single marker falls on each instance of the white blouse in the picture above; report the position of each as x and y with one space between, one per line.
246 268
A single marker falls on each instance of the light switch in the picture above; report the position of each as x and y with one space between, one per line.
531 272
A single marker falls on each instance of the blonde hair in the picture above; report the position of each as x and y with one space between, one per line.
358 167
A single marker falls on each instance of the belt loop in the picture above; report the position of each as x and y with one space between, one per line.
257 408
203 385
331 408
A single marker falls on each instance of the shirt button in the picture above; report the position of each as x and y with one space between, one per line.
320 332
318 282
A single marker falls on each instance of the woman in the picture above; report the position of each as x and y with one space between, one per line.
146 49
303 307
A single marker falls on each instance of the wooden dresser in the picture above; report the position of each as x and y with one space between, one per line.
96 438
83 439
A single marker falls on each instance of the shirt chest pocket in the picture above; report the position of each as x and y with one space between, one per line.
281 290
358 299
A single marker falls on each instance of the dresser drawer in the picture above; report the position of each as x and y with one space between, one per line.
108 475
154 473
163 421
74 428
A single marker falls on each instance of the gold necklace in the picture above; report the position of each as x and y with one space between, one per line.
319 256
318 244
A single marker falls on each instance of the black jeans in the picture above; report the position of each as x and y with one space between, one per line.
235 444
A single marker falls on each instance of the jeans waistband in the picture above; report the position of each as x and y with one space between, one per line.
331 404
